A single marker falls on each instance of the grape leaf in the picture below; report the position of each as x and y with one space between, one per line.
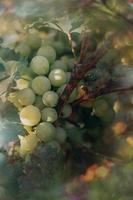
65 24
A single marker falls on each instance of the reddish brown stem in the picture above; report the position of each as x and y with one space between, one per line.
111 90
104 91
77 75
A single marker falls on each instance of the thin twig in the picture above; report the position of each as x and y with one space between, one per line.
103 91
77 75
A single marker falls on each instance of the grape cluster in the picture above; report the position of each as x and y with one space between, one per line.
38 92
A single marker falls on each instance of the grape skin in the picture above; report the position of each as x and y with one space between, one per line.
60 135
50 98
30 115
39 103
23 49
48 52
49 115
40 84
59 47
26 97
100 107
34 41
57 77
40 65
45 131
59 64
66 111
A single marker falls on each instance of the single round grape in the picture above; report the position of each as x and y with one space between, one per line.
30 115
72 96
59 47
59 64
40 65
39 103
66 111
40 84
48 52
34 41
100 107
70 64
22 84
57 77
60 135
23 49
49 115
45 131
50 99
26 97
65 60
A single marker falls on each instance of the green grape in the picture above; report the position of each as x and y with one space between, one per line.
72 96
47 42
22 84
40 84
66 111
59 64
59 47
65 59
49 115
40 65
50 99
70 64
39 103
23 49
26 97
108 116
30 115
60 135
57 77
48 52
45 131
100 107
34 41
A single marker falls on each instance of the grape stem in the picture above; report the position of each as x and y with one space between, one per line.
78 74
109 88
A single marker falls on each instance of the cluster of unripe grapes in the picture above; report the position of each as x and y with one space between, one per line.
36 98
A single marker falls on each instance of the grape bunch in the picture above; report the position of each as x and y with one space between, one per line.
38 90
